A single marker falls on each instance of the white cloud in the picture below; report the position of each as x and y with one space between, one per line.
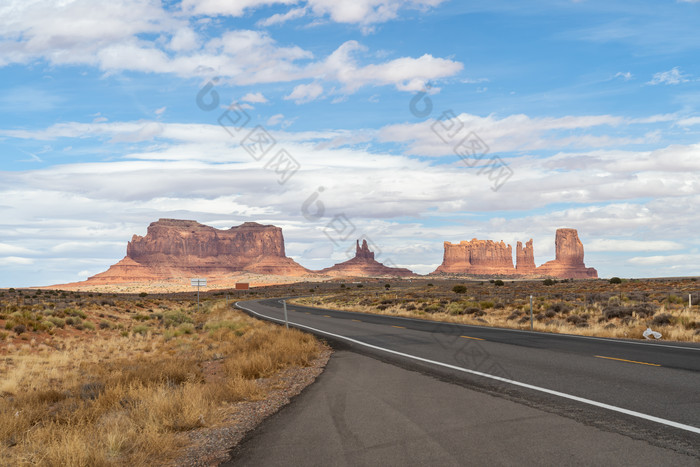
304 93
17 260
609 244
117 36
275 119
281 18
689 121
626 76
672 76
254 97
366 11
513 133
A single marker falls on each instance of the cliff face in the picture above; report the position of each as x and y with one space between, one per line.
364 265
569 258
181 248
525 258
485 257
477 257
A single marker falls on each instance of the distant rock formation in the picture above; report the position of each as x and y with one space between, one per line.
525 258
486 257
477 257
364 265
569 258
175 249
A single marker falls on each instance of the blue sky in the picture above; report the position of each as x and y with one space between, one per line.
589 110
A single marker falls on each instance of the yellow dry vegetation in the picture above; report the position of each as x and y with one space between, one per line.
517 317
122 400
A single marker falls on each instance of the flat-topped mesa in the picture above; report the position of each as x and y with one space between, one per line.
176 249
364 265
185 241
569 258
525 258
477 257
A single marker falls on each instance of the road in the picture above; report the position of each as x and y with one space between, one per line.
646 391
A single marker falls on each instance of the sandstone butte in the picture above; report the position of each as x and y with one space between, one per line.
364 265
486 257
181 249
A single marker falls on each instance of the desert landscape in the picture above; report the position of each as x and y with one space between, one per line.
353 233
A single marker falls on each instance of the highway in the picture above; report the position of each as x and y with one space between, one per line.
645 391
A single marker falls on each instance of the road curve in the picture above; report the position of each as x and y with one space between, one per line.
645 390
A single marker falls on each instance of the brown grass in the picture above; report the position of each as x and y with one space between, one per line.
579 319
116 399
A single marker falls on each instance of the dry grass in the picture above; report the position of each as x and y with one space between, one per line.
114 399
554 316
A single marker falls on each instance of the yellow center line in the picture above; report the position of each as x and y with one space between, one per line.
398 327
475 338
307 312
628 361
326 316
357 320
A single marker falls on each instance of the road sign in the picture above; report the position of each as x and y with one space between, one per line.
198 282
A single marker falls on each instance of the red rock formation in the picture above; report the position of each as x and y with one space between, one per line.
477 257
180 249
364 265
569 258
525 258
485 257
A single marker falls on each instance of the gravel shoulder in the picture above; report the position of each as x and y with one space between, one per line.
211 446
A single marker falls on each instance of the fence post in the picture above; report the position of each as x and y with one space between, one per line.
531 322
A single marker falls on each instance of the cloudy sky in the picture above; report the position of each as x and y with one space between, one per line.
406 122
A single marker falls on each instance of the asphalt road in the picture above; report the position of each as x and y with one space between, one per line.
644 391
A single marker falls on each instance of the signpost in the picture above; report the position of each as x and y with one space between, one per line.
199 283
531 323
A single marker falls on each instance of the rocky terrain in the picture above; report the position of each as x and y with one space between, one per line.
364 265
180 249
486 257
173 251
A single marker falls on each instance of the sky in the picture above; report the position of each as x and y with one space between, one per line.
404 122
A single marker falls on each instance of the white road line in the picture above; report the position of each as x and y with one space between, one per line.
632 413
606 339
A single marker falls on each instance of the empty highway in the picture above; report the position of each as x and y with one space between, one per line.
643 392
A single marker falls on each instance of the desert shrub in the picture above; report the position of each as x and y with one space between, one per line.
472 310
663 319
175 318
140 317
74 312
577 320
19 329
382 307
549 281
616 311
359 286
434 308
512 316
615 280
410 307
459 289
550 313
486 305
499 305
644 309
3 336
140 329
105 325
498 282
143 294
387 301
429 284
559 307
